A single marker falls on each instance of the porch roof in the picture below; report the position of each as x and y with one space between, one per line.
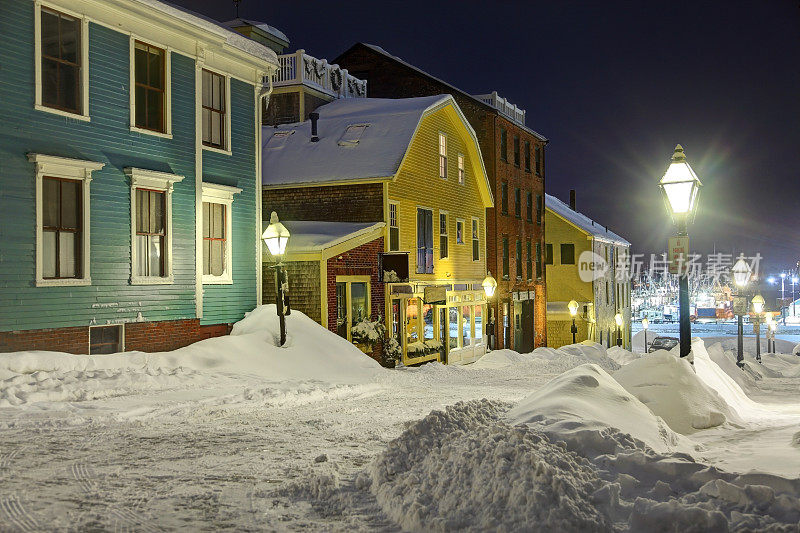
315 236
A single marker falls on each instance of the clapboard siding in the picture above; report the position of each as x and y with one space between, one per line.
107 139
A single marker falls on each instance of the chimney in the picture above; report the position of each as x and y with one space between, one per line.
572 199
314 117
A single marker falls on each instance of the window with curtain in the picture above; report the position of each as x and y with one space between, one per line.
214 109
214 239
424 241
62 228
442 156
151 232
61 61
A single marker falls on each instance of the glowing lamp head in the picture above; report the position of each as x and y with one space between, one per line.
276 236
645 323
573 307
680 187
758 304
773 326
783 275
618 319
489 285
771 280
795 279
741 272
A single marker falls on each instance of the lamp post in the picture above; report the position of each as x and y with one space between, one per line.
489 285
773 326
758 308
618 320
645 324
741 276
276 236
573 311
681 187
794 310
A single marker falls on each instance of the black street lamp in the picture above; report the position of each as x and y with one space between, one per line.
681 187
758 308
645 324
741 277
489 286
573 310
276 236
618 320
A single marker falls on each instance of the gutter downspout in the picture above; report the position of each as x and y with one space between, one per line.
198 184
263 93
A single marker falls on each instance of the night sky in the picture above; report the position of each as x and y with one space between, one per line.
614 85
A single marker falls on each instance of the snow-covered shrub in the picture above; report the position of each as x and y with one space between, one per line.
390 276
391 350
368 332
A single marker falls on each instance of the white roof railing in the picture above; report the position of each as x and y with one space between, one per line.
300 68
505 107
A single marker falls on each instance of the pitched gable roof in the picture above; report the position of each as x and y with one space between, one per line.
582 222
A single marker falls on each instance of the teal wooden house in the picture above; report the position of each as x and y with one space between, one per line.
129 175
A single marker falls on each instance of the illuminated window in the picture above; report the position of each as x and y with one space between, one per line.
476 246
442 156
461 169
214 114
443 251
394 229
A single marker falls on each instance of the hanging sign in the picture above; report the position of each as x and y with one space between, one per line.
678 253
435 294
740 305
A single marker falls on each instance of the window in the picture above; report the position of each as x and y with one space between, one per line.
62 219
504 198
150 102
215 115
461 169
519 259
548 254
528 260
516 151
106 339
217 233
424 241
538 260
539 209
459 231
529 206
538 155
567 254
466 326
442 156
443 252
352 303
352 134
503 145
151 225
505 258
476 243
61 70
606 292
394 229
517 202
527 156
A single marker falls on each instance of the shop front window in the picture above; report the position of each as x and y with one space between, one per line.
341 309
411 327
428 318
466 326
478 323
453 327
358 302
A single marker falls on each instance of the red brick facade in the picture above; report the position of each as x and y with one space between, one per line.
142 336
389 78
335 203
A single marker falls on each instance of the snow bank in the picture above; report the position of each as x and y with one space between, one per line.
622 356
581 405
311 353
549 360
669 386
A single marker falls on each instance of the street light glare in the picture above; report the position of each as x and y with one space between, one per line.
741 272
680 184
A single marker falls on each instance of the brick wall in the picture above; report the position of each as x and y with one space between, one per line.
303 287
70 340
337 203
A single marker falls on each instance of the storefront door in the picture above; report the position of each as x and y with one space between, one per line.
518 346
527 326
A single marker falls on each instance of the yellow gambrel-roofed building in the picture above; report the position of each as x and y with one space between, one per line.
386 200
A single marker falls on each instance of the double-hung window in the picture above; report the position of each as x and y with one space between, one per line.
567 253
443 243
215 115
503 144
61 72
442 156
461 169
519 259
424 241
538 156
151 225
529 206
527 156
548 254
394 228
217 233
517 202
539 209
529 260
516 151
538 260
459 231
150 105
476 242
504 198
505 257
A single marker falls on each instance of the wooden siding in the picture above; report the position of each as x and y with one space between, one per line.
418 185
228 303
304 287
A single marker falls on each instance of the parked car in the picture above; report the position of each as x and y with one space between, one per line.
664 343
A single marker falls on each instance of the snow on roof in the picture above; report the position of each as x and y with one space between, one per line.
582 221
383 52
232 38
314 236
289 156
263 26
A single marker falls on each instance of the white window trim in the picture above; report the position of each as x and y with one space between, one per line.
446 233
167 89
159 181
477 222
462 169
37 57
121 335
439 154
463 229
227 149
389 225
222 194
75 169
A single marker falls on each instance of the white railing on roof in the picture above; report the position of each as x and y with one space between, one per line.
300 68
504 106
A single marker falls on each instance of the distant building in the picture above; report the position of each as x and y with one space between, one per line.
129 175
387 209
584 262
513 156
260 32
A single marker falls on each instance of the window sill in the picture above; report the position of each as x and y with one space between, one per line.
63 282
151 132
217 150
68 114
217 280
167 280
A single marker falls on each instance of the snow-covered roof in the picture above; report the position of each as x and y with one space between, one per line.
272 30
314 236
232 38
383 52
289 156
582 221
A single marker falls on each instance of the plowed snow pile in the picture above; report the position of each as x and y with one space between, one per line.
550 360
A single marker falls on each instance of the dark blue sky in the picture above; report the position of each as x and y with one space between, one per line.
614 85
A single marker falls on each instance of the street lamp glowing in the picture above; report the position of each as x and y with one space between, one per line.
645 323
681 187
758 304
618 319
489 285
771 280
741 272
573 307
275 237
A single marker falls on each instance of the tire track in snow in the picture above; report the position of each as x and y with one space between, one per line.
125 520
13 512
84 475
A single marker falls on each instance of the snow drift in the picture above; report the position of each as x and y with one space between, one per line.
551 360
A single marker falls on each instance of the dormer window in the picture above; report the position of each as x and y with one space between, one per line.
352 134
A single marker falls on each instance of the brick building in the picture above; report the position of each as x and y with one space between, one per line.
513 157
